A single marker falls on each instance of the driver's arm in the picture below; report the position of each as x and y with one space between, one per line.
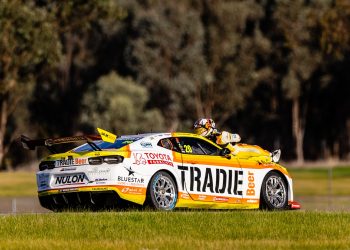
226 137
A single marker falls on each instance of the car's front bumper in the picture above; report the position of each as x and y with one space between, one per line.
294 205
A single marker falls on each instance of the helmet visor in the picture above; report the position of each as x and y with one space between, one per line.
201 131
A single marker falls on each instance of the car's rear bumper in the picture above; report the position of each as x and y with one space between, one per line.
80 200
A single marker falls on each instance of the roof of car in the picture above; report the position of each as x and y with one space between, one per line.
160 134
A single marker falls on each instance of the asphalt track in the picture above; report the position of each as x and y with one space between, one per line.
24 205
20 205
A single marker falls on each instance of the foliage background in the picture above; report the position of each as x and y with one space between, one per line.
274 71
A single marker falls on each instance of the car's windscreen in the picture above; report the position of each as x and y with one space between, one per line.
119 143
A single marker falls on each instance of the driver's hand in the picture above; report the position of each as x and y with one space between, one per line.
216 132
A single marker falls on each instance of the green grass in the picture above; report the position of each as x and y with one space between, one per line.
316 181
177 230
19 183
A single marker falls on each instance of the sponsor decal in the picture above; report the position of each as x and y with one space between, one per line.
99 188
185 196
64 162
68 190
42 184
269 164
50 142
252 201
70 161
145 144
152 158
43 177
42 180
68 169
131 179
107 136
132 190
80 161
139 159
202 197
222 199
131 172
251 184
212 180
70 179
101 179
99 171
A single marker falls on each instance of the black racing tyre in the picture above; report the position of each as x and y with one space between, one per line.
274 192
162 191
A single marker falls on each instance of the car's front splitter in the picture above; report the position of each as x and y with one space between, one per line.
293 205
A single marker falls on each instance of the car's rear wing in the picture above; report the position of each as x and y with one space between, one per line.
30 144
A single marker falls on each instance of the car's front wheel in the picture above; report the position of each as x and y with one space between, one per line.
162 191
274 192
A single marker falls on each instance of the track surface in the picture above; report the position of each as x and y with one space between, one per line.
19 205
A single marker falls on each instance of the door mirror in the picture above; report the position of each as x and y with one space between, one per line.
226 153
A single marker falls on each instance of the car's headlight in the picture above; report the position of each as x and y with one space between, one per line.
111 159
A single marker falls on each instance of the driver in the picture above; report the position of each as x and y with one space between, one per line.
206 127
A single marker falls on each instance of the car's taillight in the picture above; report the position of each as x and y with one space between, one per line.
95 160
111 159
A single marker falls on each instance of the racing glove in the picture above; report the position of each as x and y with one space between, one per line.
227 137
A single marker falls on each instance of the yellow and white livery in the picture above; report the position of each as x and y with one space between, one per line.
161 170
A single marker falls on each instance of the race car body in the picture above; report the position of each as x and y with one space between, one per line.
163 170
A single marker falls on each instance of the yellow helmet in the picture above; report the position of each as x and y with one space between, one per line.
204 127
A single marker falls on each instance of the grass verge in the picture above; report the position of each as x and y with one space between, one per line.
19 183
177 230
321 181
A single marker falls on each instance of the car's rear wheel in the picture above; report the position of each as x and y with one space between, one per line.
162 191
274 192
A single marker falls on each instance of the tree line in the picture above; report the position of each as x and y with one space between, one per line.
274 71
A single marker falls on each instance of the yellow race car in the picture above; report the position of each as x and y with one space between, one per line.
161 170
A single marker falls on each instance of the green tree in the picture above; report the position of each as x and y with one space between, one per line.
299 23
335 43
28 41
197 57
118 104
235 50
335 22
82 27
164 52
80 24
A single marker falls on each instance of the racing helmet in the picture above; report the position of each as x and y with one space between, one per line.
204 127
